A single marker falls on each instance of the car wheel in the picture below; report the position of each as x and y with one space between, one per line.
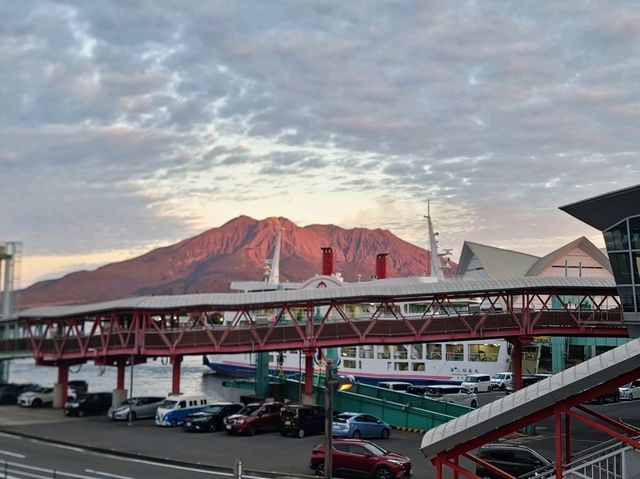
300 433
174 423
475 390
251 431
356 434
385 433
616 398
383 473
213 426
319 469
80 413
36 403
283 433
503 387
630 397
474 404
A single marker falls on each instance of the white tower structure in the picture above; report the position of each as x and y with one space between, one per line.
273 264
437 270
9 261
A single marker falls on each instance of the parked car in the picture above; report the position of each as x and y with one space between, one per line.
357 425
609 396
513 459
630 391
176 407
9 392
138 407
212 417
477 382
253 418
301 420
395 385
91 404
417 390
501 380
36 397
355 457
526 381
452 393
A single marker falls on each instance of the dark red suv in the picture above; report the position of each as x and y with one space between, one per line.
253 418
355 457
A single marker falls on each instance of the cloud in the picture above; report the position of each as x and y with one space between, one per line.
120 133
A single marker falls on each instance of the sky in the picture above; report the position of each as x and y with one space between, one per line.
129 125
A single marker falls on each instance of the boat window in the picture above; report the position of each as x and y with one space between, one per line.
416 351
402 366
348 351
384 352
484 352
455 352
434 351
418 366
349 363
399 352
366 352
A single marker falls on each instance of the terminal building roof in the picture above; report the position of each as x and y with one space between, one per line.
606 210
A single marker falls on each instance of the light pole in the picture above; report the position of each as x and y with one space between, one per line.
130 415
328 418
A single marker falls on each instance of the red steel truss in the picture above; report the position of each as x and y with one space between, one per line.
174 332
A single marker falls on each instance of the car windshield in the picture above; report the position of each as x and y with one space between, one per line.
249 410
289 412
168 404
470 379
500 376
375 450
212 409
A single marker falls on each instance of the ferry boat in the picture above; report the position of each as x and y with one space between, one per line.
420 363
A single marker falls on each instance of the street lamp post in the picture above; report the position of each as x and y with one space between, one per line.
328 418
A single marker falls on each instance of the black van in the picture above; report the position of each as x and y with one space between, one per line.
91 404
301 420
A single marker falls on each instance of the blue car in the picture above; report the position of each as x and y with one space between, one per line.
357 425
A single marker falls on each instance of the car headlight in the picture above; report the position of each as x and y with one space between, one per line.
398 462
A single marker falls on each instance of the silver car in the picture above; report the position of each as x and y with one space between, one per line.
138 407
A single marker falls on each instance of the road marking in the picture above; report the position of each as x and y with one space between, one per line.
12 454
61 446
17 468
91 471
173 466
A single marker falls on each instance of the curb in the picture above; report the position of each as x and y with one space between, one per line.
409 429
161 460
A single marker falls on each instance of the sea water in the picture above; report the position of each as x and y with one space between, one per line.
152 378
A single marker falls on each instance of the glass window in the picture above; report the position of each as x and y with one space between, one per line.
617 238
402 366
349 363
400 351
635 259
434 351
637 297
418 366
455 352
626 296
620 266
348 351
416 351
634 232
383 352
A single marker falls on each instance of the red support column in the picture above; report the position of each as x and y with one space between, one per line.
558 441
517 363
120 375
567 438
63 380
175 378
308 371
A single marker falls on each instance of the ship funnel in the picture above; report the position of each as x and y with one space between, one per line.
327 261
381 265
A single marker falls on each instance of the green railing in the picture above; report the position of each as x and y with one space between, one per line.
397 408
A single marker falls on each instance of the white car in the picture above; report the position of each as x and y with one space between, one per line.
477 383
630 391
501 380
36 398
452 393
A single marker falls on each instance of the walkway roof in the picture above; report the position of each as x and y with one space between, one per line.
355 292
499 414
608 209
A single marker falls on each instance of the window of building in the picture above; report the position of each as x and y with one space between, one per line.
621 268
617 238
635 259
626 297
634 232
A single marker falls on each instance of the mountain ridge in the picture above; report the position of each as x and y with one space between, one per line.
234 251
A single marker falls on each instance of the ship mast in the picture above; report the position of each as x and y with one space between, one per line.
273 264
436 268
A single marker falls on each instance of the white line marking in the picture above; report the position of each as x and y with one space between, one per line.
91 471
173 466
61 446
12 454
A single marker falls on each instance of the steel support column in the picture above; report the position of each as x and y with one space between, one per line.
120 376
567 438
60 396
517 363
175 377
308 370
558 441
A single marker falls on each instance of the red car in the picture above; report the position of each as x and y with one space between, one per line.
253 418
355 457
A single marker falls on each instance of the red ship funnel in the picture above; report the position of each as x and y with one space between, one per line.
381 265
327 261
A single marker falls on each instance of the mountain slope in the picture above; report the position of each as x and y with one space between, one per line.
234 251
